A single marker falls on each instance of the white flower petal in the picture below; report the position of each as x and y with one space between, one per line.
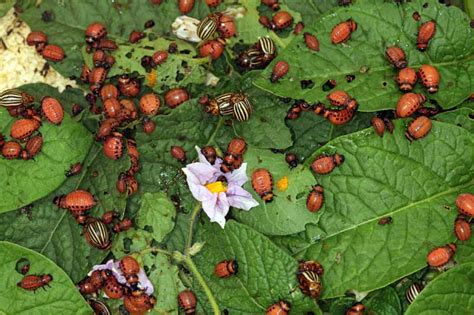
204 172
238 176
240 198
145 283
217 208
198 191
201 157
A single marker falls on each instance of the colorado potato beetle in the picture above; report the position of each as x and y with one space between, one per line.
291 159
325 164
113 289
95 31
343 31
14 97
358 309
213 3
311 41
187 301
98 278
341 98
279 308
308 276
252 58
226 26
208 26
85 287
53 53
226 268
418 128
409 103
109 91
97 234
425 33
465 204
37 39
429 77
272 4
109 216
241 107
440 256
279 70
150 104
11 150
136 36
98 58
113 146
185 6
282 20
52 110
123 225
130 89
176 97
339 117
299 27
129 266
209 153
99 307
178 153
406 79
112 108
33 147
106 127
138 304
378 125
267 46
315 199
77 201
235 149
75 169
462 229
34 282
211 48
412 292
396 56
159 57
262 183
149 125
23 128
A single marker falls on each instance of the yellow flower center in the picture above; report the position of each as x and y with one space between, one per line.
217 187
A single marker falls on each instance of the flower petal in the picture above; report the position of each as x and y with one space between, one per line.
240 198
204 172
201 157
239 176
197 189
217 208
145 283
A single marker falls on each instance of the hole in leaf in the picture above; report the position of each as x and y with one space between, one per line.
185 51
384 83
459 125
329 85
416 16
300 195
471 115
22 266
307 84
425 5
472 23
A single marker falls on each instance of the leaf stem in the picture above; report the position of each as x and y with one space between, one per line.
219 125
277 40
469 7
189 240
212 300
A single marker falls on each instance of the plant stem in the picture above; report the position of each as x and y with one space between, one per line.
212 300
219 125
469 8
189 240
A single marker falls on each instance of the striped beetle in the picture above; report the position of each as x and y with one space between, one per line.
97 234
208 26
13 97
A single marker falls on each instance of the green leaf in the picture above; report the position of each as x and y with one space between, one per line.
287 213
450 293
266 274
383 302
465 251
179 69
120 18
157 212
450 51
249 29
462 117
5 6
23 182
54 232
311 10
416 184
164 277
307 140
62 296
